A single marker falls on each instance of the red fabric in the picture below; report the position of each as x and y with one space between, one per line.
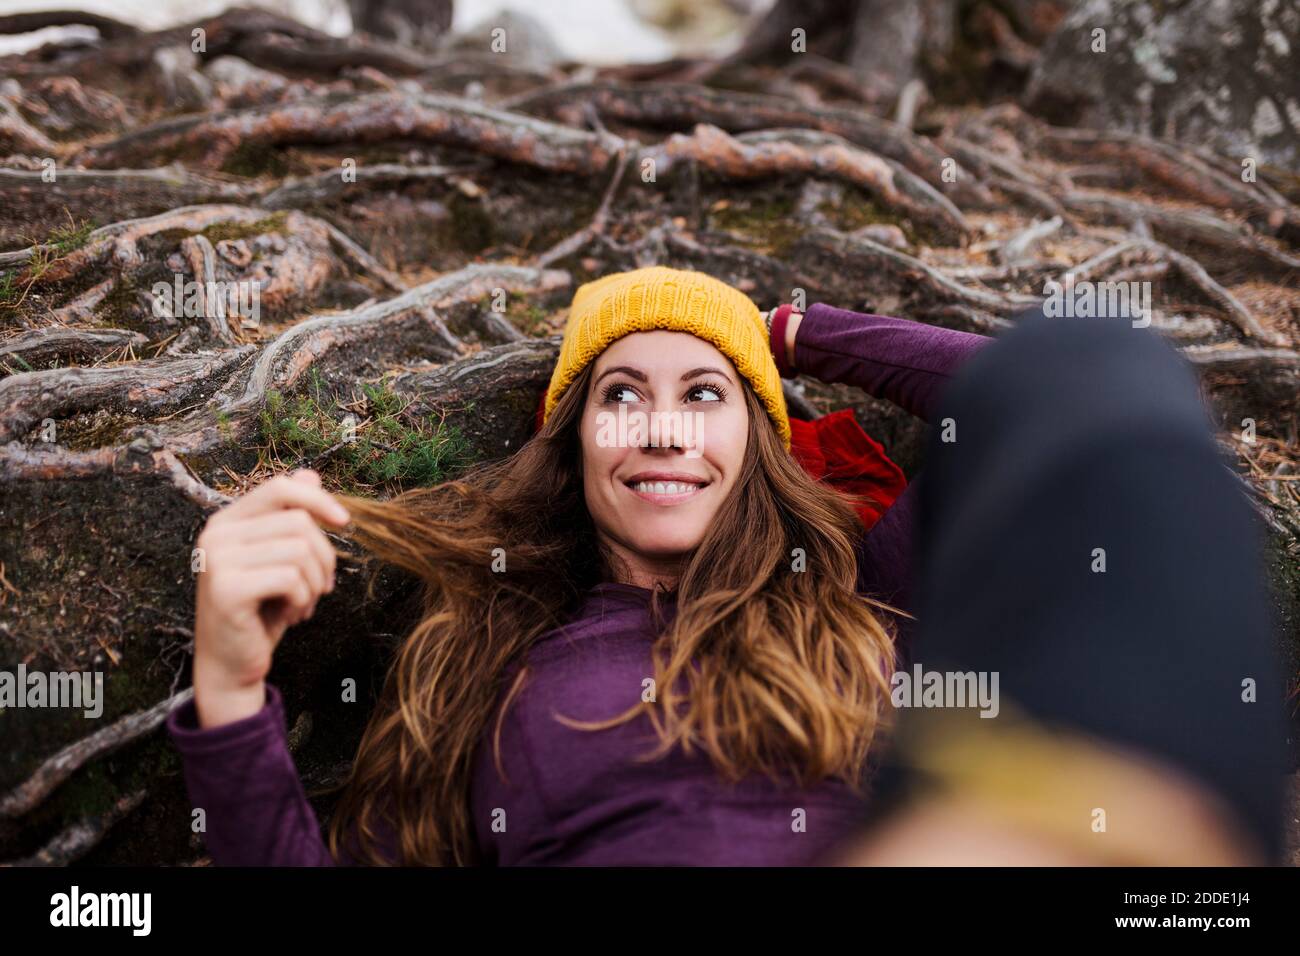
835 450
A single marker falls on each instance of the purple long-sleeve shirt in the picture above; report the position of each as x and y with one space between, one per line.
572 796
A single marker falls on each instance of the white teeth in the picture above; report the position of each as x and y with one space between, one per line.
665 487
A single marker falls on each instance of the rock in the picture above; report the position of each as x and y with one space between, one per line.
239 83
63 108
523 41
183 86
418 23
1205 72
885 234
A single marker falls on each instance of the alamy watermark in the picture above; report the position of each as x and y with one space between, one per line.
628 429
1083 299
946 689
208 300
78 690
132 911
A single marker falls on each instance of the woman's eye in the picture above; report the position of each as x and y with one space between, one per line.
620 393
704 393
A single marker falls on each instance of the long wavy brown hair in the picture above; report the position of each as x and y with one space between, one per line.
772 662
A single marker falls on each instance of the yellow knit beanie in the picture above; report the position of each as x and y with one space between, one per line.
679 301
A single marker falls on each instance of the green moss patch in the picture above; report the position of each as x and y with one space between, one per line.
369 444
764 218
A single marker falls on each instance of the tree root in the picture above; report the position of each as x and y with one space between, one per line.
141 457
108 28
1235 312
361 259
149 387
1250 360
1185 173
19 136
910 270
129 49
794 151
374 117
1017 248
308 251
231 413
1180 224
684 106
297 193
54 771
116 242
202 258
596 227
326 55
985 162
515 375
1031 197
79 346
80 838
199 187
1192 271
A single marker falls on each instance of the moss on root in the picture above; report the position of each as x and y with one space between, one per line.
17 283
256 159
368 444
767 218
856 209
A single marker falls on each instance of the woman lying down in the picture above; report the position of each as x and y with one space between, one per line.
673 628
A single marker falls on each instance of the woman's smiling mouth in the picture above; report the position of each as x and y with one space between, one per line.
665 488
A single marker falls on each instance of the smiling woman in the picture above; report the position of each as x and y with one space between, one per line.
630 652
650 509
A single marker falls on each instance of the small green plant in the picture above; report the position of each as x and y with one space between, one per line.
535 320
61 241
372 443
8 289
71 237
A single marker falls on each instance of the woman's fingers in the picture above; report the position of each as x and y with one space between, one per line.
289 523
294 524
297 551
284 492
286 582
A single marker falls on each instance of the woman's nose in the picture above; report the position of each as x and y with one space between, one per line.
674 427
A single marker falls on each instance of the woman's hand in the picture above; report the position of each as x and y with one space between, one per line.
265 565
791 329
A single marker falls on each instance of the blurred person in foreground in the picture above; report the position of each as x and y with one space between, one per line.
1084 540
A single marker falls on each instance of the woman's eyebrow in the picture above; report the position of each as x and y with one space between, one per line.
627 370
705 370
640 376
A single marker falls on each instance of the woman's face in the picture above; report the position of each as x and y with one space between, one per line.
663 434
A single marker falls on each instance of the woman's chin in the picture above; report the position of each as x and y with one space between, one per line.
669 545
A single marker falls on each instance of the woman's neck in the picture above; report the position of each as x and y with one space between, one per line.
638 570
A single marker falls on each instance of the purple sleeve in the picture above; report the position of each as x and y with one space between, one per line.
243 777
907 363
904 362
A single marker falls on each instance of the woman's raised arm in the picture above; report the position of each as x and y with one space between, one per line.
907 363
904 362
